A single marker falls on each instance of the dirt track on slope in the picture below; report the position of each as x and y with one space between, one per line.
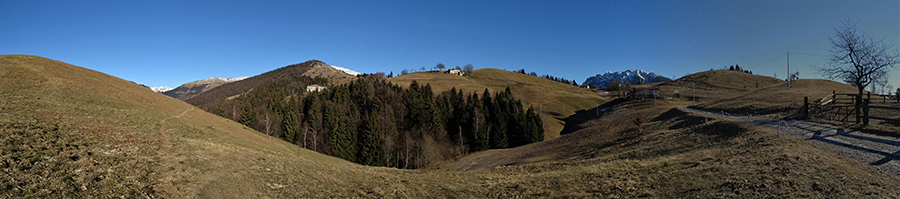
881 152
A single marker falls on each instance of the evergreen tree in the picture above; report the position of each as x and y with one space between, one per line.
498 123
342 136
291 127
248 117
370 149
534 127
220 110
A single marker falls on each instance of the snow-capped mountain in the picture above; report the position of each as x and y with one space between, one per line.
160 89
226 80
345 70
631 76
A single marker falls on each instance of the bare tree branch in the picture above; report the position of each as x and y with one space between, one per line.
857 59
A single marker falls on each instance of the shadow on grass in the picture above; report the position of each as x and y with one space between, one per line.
574 122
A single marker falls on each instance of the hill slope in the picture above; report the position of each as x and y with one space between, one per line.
65 136
675 154
312 68
557 100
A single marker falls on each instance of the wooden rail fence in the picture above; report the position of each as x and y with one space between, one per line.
841 106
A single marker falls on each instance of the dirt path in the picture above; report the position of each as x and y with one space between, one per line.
162 128
168 159
882 152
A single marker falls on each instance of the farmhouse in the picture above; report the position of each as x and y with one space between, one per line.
314 87
455 72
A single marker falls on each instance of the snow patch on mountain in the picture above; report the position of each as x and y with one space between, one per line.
631 76
345 70
233 79
160 89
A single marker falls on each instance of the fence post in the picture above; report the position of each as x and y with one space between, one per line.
857 105
805 107
866 112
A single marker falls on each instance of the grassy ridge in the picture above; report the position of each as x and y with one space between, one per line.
557 100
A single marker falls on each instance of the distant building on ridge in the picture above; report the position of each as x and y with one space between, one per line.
455 72
314 87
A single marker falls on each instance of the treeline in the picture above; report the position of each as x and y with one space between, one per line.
374 122
738 68
550 77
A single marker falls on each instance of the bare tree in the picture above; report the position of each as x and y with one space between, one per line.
268 124
468 69
858 60
440 66
897 94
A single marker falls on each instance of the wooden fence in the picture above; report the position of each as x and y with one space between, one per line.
853 107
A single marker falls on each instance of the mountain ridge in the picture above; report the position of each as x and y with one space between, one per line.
632 76
311 68
194 88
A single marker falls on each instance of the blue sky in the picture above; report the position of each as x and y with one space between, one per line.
167 43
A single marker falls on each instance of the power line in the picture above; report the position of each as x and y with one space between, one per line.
773 59
808 54
782 55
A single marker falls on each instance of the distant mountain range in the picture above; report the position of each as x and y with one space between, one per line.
631 76
160 89
194 88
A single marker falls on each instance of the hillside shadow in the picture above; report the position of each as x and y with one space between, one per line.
818 129
574 122
721 130
682 119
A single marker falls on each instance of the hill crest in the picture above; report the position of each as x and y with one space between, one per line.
194 88
311 68
553 99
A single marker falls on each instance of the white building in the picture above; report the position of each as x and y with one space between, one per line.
314 87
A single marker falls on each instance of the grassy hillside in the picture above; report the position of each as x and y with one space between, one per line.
72 132
675 154
776 98
715 84
557 100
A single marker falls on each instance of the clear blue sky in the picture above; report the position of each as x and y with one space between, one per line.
167 43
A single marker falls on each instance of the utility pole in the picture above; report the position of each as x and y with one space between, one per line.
789 69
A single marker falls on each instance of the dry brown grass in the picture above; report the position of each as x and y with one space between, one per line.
140 143
723 91
557 100
678 155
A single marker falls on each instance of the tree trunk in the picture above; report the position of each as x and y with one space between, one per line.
858 103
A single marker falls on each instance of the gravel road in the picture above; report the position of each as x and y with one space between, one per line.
882 152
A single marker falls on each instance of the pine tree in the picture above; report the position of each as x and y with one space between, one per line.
220 111
534 126
291 127
370 149
248 117
498 122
